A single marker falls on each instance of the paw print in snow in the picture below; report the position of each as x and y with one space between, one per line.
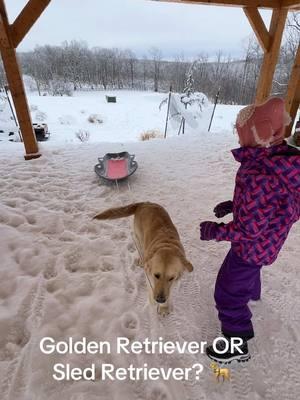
129 324
159 392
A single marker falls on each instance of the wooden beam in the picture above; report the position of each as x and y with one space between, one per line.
234 3
26 19
15 81
4 41
291 4
265 81
258 27
292 100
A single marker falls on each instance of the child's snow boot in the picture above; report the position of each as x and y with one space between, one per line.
218 352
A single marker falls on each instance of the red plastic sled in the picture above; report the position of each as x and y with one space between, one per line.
116 166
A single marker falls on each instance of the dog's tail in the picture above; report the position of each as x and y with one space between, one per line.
119 212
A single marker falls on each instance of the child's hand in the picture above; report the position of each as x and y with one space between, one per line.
223 209
208 230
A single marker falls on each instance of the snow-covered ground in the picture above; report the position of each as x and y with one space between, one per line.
133 114
64 275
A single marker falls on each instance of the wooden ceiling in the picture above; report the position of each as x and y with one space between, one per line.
293 5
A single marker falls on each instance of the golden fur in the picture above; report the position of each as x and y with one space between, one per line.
158 242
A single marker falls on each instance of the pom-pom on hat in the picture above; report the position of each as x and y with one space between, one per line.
262 125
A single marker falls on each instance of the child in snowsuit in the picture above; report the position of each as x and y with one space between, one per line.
265 205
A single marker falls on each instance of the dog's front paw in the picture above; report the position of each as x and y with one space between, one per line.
163 310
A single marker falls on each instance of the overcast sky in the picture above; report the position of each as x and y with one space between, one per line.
140 25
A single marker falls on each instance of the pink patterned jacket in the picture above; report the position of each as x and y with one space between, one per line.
266 202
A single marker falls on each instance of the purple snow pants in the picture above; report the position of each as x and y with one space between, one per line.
237 283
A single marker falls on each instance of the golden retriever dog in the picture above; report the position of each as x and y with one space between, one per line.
158 243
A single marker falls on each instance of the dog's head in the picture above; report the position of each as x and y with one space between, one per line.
165 267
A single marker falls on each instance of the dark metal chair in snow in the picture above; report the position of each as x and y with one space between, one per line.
41 131
116 167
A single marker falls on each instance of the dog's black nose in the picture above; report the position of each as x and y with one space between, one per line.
161 298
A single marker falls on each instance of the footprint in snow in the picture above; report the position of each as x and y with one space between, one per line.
129 324
121 235
71 261
28 260
130 287
107 266
31 219
15 220
11 203
159 392
131 247
50 270
28 196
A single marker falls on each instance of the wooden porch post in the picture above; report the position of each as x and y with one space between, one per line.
292 100
265 81
15 81
259 27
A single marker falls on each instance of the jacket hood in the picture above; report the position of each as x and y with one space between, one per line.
282 160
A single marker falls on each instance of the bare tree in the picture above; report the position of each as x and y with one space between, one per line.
130 62
294 21
156 55
145 71
179 68
287 54
56 67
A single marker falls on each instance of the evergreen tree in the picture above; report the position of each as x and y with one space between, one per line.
189 85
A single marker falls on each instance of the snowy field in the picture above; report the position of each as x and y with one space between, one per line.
64 275
133 114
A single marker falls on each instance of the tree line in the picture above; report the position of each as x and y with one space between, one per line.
60 70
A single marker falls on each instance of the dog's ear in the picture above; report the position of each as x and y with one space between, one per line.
147 258
188 265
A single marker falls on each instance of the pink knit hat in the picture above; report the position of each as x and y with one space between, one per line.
262 125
